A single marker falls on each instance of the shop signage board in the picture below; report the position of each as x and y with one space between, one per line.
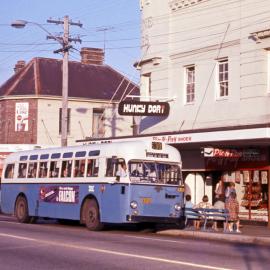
143 108
231 159
232 153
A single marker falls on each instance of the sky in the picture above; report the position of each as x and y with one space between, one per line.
110 24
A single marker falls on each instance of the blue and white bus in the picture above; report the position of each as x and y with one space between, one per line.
121 182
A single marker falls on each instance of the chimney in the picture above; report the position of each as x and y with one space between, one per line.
19 65
92 56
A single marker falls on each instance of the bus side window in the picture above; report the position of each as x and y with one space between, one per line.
22 170
79 168
111 167
92 168
9 172
66 168
43 169
32 170
54 169
114 166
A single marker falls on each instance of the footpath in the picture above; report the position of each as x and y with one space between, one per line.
250 234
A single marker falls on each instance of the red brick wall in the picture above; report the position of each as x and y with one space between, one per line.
7 123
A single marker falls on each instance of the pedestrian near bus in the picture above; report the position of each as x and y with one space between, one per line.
220 205
188 211
203 204
232 205
229 190
219 189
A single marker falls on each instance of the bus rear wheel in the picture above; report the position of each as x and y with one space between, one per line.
21 210
91 216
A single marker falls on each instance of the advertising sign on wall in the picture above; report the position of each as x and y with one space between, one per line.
21 116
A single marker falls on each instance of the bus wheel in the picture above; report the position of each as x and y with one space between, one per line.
91 215
21 210
182 223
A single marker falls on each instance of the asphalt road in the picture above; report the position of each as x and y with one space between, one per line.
48 245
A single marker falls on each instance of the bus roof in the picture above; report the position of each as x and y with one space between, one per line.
127 150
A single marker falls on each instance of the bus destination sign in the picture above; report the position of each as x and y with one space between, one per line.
143 108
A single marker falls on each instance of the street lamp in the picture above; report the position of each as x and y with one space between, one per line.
64 41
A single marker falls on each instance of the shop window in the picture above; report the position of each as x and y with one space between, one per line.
255 189
252 193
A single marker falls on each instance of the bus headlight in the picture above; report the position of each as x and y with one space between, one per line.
177 207
133 204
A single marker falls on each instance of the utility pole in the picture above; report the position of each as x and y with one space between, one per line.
65 41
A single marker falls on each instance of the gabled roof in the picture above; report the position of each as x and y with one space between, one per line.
43 77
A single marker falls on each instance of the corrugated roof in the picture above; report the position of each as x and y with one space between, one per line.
43 76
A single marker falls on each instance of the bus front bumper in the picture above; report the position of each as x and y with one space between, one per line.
133 218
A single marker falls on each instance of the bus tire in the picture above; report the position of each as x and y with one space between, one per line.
182 223
21 210
92 216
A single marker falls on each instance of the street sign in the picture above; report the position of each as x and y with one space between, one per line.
143 108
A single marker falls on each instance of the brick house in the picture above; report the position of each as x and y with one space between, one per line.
31 101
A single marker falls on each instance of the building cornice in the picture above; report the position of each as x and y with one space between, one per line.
206 49
259 35
153 60
180 4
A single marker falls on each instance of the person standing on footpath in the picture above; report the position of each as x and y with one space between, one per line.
219 189
230 189
233 207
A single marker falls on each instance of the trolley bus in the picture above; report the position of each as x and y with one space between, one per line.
120 182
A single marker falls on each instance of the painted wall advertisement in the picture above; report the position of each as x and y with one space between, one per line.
21 116
59 194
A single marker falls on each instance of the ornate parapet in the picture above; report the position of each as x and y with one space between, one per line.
179 4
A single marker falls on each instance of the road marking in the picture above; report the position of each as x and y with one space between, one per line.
155 239
111 252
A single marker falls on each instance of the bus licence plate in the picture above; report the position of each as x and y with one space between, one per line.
147 200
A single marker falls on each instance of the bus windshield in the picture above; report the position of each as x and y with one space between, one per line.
154 172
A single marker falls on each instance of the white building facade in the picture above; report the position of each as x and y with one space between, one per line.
210 59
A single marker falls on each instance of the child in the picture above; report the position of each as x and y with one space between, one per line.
233 207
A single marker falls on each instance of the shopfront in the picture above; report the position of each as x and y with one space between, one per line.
238 155
249 169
